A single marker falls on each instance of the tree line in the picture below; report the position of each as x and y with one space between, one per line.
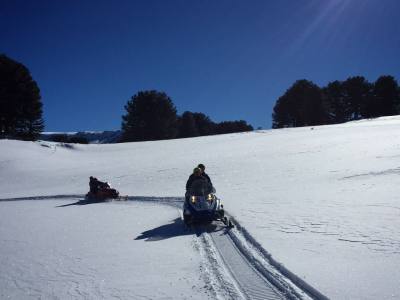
150 115
65 138
306 104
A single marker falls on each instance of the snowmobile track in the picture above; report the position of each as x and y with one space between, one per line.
252 283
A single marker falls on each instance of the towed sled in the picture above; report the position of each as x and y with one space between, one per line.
202 206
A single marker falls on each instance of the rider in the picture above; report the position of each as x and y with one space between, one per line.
197 174
204 174
95 184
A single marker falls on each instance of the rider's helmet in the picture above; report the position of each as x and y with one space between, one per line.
202 167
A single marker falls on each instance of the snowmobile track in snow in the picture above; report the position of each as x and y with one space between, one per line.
252 284
255 273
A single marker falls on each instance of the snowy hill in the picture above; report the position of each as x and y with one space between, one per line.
93 137
323 201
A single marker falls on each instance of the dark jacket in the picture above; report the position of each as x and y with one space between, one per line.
192 178
204 174
95 184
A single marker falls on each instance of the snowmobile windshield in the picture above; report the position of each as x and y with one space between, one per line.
200 187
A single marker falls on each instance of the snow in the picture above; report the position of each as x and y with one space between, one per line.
50 249
322 200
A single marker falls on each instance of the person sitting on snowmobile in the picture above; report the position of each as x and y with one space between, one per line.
95 185
100 190
204 174
196 175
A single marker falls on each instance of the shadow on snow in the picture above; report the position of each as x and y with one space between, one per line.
174 229
82 202
177 228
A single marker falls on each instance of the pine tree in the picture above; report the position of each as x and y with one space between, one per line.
357 95
334 96
204 124
20 102
151 115
386 97
301 105
188 126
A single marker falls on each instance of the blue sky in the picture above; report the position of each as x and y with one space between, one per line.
228 59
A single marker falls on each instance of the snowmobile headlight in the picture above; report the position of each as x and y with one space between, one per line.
193 198
210 197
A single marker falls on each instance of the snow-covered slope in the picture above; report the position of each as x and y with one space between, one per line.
93 137
322 200
51 249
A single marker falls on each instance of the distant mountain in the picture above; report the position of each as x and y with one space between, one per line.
93 137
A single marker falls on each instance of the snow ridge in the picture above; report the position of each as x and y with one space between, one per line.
287 282
216 276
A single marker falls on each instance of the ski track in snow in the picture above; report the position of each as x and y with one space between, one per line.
235 265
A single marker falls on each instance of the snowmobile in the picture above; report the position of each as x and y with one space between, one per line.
202 205
104 192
